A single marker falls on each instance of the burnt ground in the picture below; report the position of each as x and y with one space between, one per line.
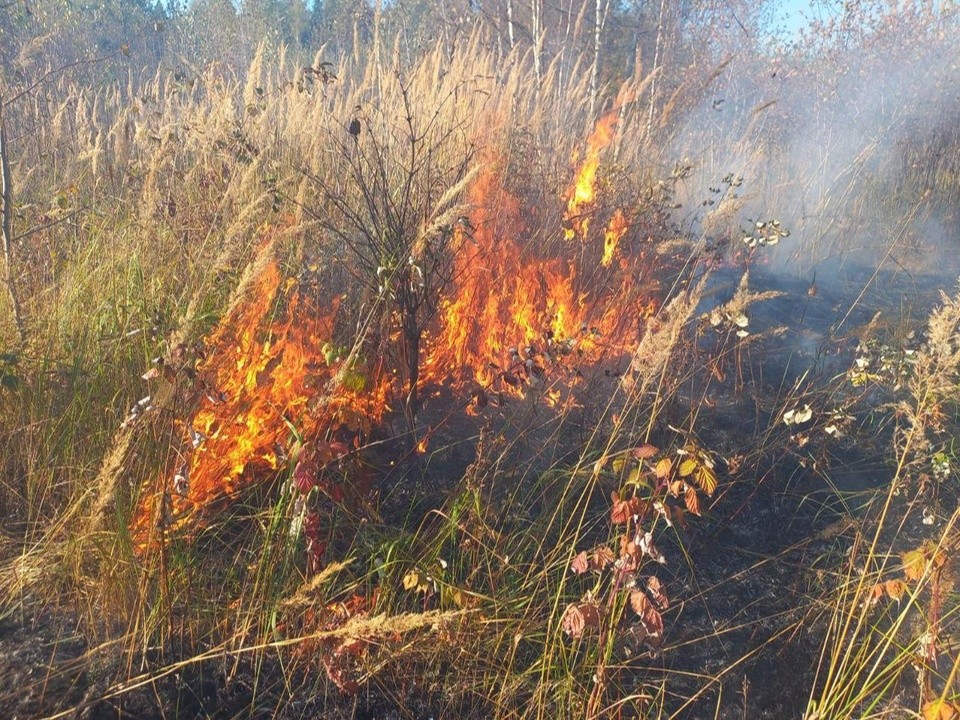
741 640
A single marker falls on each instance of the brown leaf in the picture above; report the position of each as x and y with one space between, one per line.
601 557
663 511
676 487
651 619
655 588
580 617
876 592
580 563
940 709
679 516
706 479
692 500
645 543
644 452
623 510
895 589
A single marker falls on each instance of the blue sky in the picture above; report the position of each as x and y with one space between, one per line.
796 13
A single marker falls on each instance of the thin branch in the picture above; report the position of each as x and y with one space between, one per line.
50 73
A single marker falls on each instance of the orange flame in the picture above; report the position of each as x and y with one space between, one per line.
516 311
519 315
583 192
616 229
262 378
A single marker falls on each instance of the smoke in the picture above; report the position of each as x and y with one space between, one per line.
852 146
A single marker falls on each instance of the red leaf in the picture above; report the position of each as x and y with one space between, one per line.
305 475
621 512
580 563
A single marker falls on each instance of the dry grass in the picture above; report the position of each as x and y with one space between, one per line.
147 210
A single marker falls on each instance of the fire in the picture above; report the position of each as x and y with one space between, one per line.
262 380
616 229
519 315
583 192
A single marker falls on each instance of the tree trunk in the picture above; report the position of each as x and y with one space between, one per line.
595 71
537 23
7 224
510 22
656 64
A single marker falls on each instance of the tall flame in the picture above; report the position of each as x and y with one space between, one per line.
516 305
262 379
518 315
583 192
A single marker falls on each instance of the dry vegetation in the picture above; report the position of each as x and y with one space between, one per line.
471 377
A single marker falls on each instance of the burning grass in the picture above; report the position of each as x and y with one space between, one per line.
436 402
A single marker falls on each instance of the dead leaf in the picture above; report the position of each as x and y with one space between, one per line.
649 616
580 563
895 589
644 452
601 557
580 617
663 468
692 500
706 479
418 581
655 588
940 709
645 543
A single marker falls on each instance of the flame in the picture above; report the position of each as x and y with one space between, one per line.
583 192
518 311
519 315
616 229
262 378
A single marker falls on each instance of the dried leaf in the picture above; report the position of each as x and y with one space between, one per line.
649 616
580 563
692 500
663 512
645 543
706 479
622 510
940 709
875 594
655 588
663 468
644 452
418 581
915 561
580 617
895 589
601 557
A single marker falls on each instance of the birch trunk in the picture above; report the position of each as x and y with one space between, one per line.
6 190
